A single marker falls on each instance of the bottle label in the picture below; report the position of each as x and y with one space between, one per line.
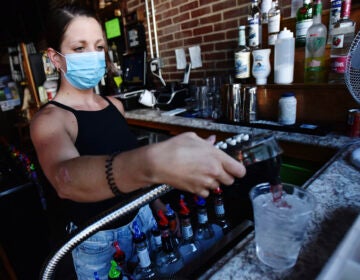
157 240
259 64
335 11
254 33
202 218
144 258
338 64
274 24
287 110
314 43
337 41
242 65
302 28
219 209
314 64
187 232
272 39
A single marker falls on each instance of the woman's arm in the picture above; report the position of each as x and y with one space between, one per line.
186 162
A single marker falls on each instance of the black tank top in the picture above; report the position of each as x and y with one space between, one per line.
99 133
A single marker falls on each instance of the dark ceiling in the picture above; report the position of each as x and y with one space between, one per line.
22 21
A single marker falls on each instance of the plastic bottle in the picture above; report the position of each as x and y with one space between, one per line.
284 57
261 65
287 108
316 36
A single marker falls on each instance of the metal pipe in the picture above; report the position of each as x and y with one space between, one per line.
155 28
149 28
50 266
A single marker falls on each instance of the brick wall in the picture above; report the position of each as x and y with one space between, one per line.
211 24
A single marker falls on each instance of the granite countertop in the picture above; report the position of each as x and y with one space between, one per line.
336 187
330 140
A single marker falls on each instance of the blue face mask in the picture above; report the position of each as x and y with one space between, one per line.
84 70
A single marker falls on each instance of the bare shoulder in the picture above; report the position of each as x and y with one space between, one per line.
48 122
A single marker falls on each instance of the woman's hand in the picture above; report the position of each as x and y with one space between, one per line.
190 163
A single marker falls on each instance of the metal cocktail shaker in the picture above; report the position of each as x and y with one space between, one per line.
232 102
239 103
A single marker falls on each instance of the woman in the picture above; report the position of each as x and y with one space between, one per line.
89 155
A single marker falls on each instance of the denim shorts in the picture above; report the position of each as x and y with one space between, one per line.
95 253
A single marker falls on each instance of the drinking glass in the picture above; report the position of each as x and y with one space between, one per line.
280 224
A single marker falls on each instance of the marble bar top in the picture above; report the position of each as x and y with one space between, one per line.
336 187
152 115
337 191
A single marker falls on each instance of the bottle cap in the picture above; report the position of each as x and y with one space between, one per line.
285 33
218 191
163 221
114 272
287 94
200 201
136 230
169 210
184 210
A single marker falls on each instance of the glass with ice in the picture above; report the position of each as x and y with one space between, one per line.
280 223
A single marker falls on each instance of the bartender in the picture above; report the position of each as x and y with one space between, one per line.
91 158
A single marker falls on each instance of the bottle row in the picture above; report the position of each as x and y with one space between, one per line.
170 246
310 33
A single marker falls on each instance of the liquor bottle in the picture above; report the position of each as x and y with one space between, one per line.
242 59
334 17
188 247
274 16
265 7
144 269
155 240
315 48
171 216
219 208
304 19
254 24
206 233
168 261
119 255
342 36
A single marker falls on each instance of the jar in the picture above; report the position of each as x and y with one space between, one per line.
287 108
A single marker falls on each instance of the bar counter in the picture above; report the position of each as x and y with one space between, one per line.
336 187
